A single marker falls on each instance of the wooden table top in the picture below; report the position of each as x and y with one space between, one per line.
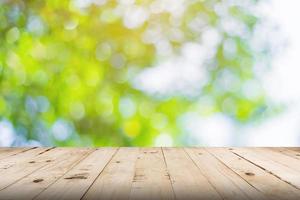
150 173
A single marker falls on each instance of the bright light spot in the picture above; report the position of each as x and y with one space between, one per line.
228 81
206 105
210 39
234 27
126 2
62 130
70 25
163 140
229 49
7 133
81 4
127 107
39 51
132 128
35 25
77 110
43 103
103 51
99 2
252 89
282 130
33 143
109 16
13 60
214 130
134 17
282 82
163 48
12 35
153 35
183 75
199 23
176 8
157 7
31 105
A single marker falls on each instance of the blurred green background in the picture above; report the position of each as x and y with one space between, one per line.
129 72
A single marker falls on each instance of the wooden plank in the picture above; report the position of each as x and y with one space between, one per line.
28 165
295 148
6 152
263 181
76 182
31 185
151 179
225 181
4 149
115 180
282 171
10 162
278 157
150 173
187 180
287 151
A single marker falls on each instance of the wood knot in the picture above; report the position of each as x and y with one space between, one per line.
118 161
77 176
31 162
38 180
298 155
48 160
249 174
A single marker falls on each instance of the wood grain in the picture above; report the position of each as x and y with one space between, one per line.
258 177
266 159
187 180
229 184
6 152
34 183
76 182
151 179
150 173
116 179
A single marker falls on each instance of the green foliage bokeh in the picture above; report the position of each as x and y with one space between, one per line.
66 66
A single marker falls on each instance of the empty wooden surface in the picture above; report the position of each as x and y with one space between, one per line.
150 173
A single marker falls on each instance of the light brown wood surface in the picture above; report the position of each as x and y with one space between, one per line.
150 173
